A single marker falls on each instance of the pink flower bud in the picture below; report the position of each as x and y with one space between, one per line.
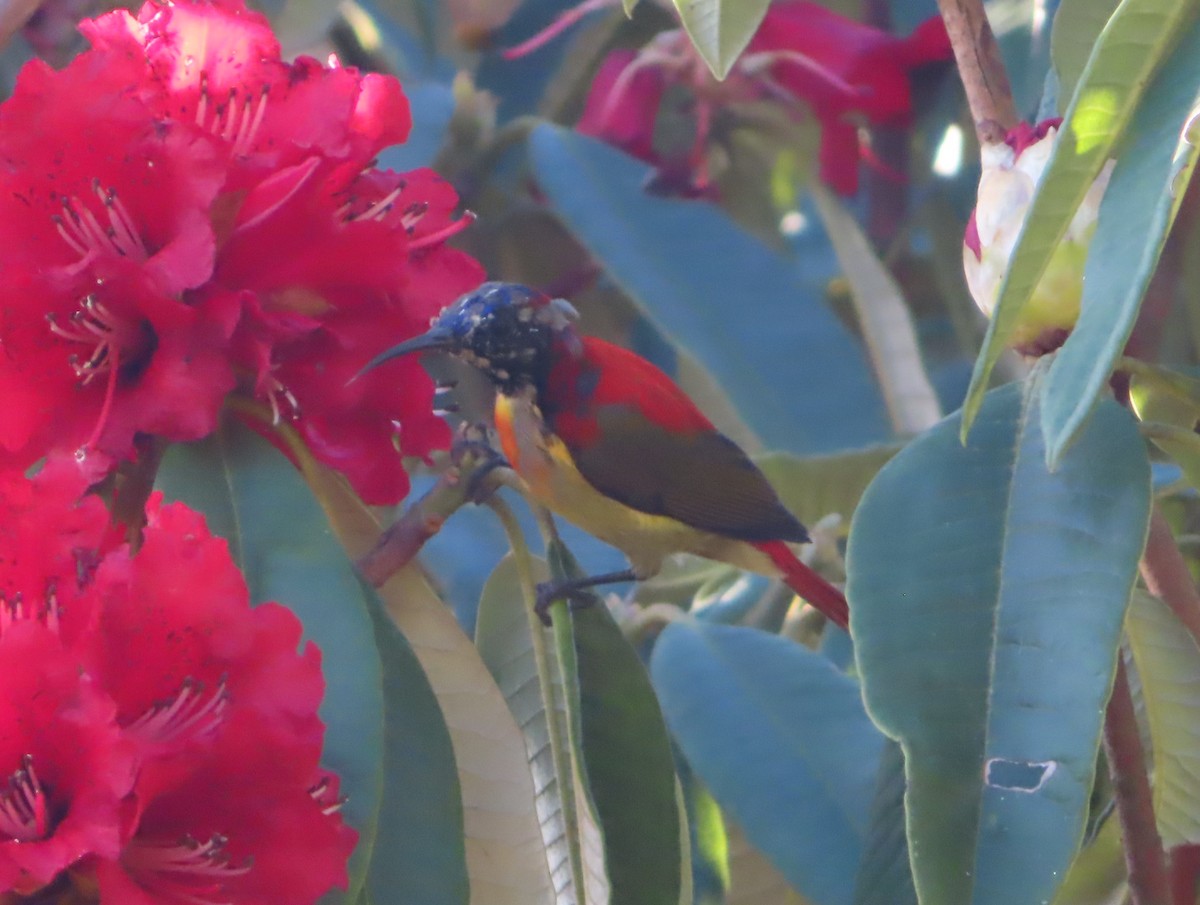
1012 170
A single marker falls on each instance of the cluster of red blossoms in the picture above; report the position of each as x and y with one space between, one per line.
160 736
185 216
811 59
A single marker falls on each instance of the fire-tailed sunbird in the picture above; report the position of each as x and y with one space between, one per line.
608 441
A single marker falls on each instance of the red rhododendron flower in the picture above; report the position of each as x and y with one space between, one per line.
66 766
184 214
846 73
160 735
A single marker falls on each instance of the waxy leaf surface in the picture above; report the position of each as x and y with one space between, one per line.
986 601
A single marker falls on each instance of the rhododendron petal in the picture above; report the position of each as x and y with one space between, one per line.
210 227
64 726
161 737
845 72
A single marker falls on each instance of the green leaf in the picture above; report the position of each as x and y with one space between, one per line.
781 739
707 838
254 498
506 862
1137 212
627 752
672 258
1099 872
1169 405
885 877
1168 662
628 6
1077 25
420 796
754 879
721 29
503 636
986 603
884 318
1138 36
814 486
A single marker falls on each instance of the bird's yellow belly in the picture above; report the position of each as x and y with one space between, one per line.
548 470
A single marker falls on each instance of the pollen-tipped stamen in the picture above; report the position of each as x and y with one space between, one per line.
185 870
234 123
444 233
82 231
322 794
23 812
251 122
413 214
190 713
279 397
15 610
122 233
380 208
95 325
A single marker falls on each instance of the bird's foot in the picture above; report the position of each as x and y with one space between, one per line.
473 447
550 592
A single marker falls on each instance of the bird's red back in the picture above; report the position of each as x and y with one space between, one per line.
603 374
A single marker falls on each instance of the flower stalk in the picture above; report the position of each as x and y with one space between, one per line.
984 78
1148 884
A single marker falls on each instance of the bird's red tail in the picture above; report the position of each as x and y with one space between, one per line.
807 583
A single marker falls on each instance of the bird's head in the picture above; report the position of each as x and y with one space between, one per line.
506 330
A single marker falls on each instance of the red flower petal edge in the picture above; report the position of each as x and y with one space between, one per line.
160 736
186 215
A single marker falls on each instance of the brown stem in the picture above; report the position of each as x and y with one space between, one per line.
456 486
1167 576
1148 884
13 16
981 68
1184 868
133 488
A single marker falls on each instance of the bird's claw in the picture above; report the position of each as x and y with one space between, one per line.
550 592
473 442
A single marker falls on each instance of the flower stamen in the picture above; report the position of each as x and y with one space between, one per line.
122 222
16 610
412 215
189 714
251 123
82 231
280 397
23 813
756 64
445 232
323 794
95 325
187 871
380 208
235 123
564 20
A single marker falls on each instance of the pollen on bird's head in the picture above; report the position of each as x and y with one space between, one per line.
507 331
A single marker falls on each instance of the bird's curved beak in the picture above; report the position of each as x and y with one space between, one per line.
436 338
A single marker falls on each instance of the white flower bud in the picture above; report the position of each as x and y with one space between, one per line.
1012 170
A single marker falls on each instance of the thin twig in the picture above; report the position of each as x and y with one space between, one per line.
1167 576
1144 859
399 544
981 68
13 16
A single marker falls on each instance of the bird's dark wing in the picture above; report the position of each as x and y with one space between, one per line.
701 478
